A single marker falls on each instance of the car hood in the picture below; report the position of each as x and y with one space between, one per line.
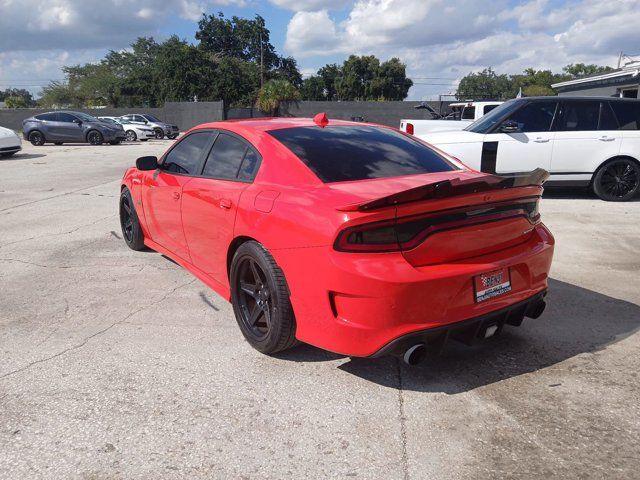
7 133
455 136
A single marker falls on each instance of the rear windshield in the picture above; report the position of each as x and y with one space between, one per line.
346 153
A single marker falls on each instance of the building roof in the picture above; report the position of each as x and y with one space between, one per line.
631 69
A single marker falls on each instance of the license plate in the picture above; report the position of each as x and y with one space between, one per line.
492 284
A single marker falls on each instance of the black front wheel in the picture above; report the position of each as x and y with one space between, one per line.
260 299
36 138
159 133
94 137
131 136
617 180
131 231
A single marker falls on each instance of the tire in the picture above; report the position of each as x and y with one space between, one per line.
36 138
131 231
173 136
131 136
260 299
94 137
618 180
57 143
159 133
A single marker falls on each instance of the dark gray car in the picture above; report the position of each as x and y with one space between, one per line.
70 127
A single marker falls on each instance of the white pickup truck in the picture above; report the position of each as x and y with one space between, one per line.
464 113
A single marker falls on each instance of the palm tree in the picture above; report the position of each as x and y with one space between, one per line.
273 93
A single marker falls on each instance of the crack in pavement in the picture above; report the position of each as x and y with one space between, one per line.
98 265
403 425
96 334
56 196
56 234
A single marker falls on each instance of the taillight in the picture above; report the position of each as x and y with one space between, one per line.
407 233
410 128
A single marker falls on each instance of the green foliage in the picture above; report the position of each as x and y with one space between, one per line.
273 93
359 78
17 96
224 65
16 101
313 88
575 70
489 85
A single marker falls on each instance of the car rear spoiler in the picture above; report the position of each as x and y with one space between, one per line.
452 188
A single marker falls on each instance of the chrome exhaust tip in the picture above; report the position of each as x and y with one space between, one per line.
415 354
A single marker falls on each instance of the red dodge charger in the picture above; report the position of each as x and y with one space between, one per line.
353 237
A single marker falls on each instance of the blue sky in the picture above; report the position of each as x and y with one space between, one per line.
439 40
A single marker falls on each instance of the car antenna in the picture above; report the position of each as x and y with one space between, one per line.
321 119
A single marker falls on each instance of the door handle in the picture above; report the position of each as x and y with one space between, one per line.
225 203
176 196
604 138
541 140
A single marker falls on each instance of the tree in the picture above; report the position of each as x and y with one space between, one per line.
329 74
58 94
273 93
582 70
15 101
23 97
287 69
313 88
235 82
486 84
392 82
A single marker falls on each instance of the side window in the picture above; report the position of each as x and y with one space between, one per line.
607 118
488 108
535 116
225 158
579 116
628 114
185 157
49 117
468 113
139 118
65 117
249 166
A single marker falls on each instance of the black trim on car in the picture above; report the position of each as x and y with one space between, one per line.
466 331
489 157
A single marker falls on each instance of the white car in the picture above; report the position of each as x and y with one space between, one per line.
580 141
161 128
10 142
132 130
464 114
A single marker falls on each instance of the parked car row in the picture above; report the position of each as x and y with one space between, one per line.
77 127
580 141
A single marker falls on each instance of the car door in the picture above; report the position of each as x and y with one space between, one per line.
71 127
210 202
526 149
586 135
62 129
162 191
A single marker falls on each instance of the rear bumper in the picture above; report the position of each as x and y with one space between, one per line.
466 331
356 304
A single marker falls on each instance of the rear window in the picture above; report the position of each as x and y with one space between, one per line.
346 153
628 114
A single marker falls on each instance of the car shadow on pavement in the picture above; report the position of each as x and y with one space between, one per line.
575 193
576 321
22 156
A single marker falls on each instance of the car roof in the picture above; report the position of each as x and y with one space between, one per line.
264 124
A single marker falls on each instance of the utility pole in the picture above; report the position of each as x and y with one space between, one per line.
261 60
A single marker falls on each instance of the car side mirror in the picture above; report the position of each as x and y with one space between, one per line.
509 126
147 163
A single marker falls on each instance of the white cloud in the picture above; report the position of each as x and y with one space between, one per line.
310 5
443 40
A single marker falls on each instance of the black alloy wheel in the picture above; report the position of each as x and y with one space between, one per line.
131 136
260 299
94 137
36 138
617 180
159 133
131 231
